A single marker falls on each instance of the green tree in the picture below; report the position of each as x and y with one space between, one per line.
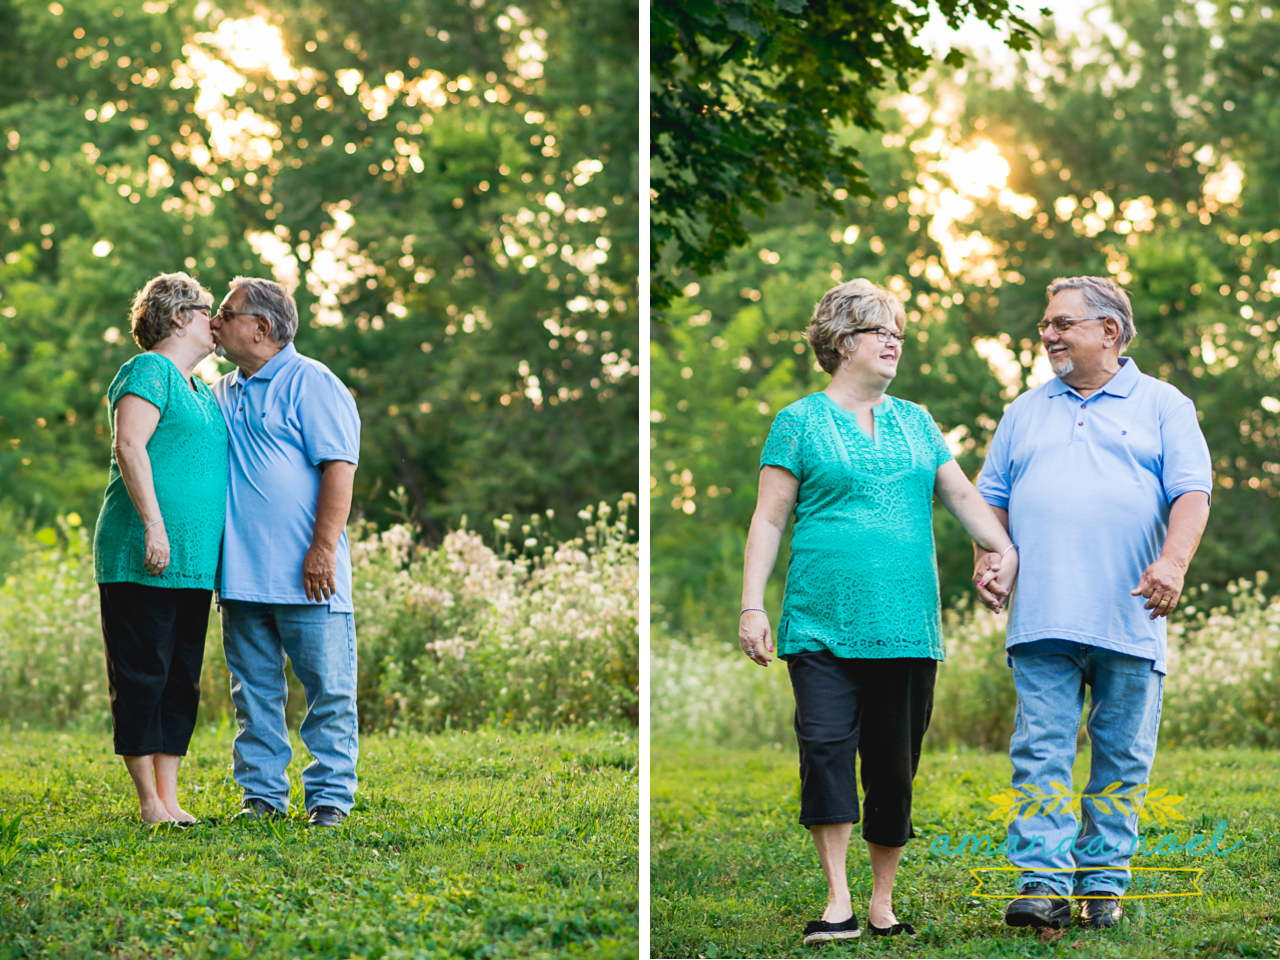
746 99
451 188
1145 157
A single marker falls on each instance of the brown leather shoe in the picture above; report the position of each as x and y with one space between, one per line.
1038 906
325 817
255 808
1100 914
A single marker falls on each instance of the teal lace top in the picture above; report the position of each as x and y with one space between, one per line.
188 454
863 576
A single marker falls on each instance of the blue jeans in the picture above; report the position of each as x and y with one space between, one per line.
1124 718
322 645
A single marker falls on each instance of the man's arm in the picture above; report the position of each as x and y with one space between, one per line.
333 506
1161 582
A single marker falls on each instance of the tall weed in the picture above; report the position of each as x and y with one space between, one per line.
451 636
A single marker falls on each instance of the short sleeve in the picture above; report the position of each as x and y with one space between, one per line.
937 442
1187 465
994 481
782 448
148 376
329 418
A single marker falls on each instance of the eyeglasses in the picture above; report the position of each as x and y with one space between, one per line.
1063 324
224 315
208 310
883 334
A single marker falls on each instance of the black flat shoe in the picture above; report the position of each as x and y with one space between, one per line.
1038 906
1100 914
895 930
820 931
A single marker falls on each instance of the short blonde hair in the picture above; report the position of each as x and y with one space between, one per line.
845 311
155 309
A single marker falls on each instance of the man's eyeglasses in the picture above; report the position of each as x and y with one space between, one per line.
884 334
1063 324
224 315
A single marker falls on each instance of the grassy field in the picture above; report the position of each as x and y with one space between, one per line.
461 845
733 875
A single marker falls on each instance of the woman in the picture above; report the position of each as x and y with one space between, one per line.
158 538
860 627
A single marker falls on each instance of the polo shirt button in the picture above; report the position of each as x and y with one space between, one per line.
1080 424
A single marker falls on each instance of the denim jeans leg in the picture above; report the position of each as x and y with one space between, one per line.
322 646
1050 683
261 751
1124 719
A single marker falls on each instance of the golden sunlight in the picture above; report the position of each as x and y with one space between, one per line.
252 44
978 171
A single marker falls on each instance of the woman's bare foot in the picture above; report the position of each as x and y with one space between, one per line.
153 811
837 912
177 813
881 914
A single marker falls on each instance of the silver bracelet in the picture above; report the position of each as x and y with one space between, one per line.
152 524
1012 546
749 609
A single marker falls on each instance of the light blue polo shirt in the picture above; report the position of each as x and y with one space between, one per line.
1088 485
284 422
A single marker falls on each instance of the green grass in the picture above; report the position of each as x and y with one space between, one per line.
733 875
487 844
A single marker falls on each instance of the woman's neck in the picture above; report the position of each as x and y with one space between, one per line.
184 354
855 392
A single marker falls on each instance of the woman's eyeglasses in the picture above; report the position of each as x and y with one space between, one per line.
884 334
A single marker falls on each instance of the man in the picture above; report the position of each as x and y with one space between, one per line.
286 565
1102 478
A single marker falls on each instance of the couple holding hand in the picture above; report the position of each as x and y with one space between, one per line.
244 489
1093 496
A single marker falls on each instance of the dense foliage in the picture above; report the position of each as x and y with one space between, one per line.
452 636
1143 153
746 98
450 188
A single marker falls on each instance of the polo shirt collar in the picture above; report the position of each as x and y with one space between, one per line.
1121 385
272 366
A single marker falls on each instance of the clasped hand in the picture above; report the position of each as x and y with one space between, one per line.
994 576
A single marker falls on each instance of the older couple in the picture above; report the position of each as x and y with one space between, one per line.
245 489
1101 478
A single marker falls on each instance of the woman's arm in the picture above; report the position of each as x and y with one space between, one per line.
136 421
986 528
774 503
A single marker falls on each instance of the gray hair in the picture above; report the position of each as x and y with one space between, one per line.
271 300
154 314
846 310
1104 298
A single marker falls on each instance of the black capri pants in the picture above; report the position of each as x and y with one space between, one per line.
154 639
879 709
